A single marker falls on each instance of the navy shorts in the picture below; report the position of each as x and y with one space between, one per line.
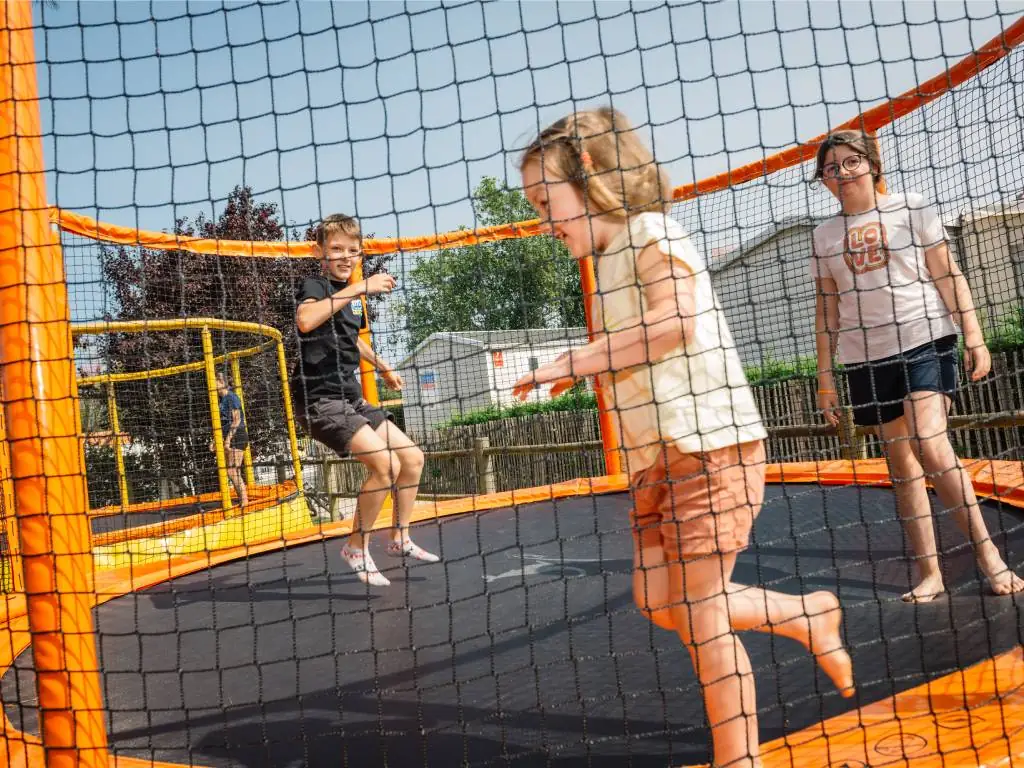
240 440
335 421
879 387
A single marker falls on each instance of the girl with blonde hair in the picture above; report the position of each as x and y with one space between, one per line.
691 433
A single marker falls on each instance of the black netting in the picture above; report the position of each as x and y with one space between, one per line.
243 637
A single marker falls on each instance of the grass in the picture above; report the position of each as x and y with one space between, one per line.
570 401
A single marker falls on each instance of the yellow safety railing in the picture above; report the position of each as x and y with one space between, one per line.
209 363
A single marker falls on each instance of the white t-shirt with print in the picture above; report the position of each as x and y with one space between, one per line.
888 302
697 397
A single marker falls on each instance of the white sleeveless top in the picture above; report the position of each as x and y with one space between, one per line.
696 398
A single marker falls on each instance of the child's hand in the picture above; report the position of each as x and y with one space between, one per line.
393 379
522 388
212 447
382 282
977 360
554 371
828 403
563 385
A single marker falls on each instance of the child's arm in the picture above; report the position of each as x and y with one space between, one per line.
312 313
391 377
826 327
826 330
667 324
956 295
955 292
236 422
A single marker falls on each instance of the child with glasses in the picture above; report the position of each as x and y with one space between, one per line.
890 298
329 400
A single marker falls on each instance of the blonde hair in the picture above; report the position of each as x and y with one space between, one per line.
860 142
599 152
333 224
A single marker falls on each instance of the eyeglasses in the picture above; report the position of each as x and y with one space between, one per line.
850 163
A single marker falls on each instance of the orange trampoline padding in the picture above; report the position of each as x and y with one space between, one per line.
1001 481
256 492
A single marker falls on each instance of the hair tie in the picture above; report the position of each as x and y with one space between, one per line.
586 161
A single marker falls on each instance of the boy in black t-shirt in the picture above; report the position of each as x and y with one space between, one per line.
329 401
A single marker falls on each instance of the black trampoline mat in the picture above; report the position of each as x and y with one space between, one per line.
522 648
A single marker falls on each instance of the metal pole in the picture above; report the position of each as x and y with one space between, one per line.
289 416
236 380
606 420
218 435
115 428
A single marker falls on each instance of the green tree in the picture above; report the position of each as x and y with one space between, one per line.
506 285
171 415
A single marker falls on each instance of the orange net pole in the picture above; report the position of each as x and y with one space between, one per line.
606 421
367 373
40 403
869 121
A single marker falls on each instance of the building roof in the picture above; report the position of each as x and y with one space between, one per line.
490 340
766 235
988 208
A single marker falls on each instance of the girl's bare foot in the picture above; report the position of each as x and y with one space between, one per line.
1001 580
823 639
926 590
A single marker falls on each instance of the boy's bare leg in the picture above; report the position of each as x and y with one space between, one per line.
381 467
407 483
235 458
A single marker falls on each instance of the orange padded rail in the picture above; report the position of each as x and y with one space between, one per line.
43 431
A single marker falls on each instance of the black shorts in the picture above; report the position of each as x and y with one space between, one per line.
335 421
879 387
240 440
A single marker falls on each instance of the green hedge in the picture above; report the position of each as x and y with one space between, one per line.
771 370
570 401
1008 333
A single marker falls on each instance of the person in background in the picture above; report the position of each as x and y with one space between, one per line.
236 437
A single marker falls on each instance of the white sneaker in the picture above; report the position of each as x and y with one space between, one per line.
359 560
413 550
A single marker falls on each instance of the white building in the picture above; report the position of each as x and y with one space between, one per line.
765 288
989 241
455 373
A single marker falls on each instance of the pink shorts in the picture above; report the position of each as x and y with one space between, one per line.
693 504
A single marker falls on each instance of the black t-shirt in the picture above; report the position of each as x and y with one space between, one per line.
328 355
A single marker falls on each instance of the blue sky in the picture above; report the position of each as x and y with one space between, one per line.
394 112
